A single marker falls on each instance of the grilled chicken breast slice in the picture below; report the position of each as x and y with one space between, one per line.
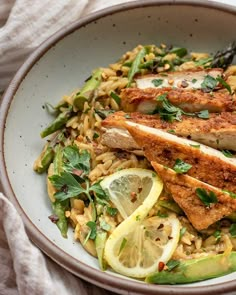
191 79
208 164
219 131
145 100
183 190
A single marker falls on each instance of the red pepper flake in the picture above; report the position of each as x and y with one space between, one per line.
54 218
77 172
133 197
161 266
160 226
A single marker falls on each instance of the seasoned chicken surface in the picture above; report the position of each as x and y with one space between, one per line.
208 164
183 190
182 79
219 131
191 100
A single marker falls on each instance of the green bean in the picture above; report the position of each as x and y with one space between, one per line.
58 123
44 160
88 89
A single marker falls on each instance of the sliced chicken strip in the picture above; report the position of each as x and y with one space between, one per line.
208 164
183 190
191 79
146 100
219 131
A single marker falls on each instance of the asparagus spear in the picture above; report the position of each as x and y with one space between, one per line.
44 160
58 123
59 208
196 270
135 65
88 89
224 58
100 242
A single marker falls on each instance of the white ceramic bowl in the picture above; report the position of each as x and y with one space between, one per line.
61 64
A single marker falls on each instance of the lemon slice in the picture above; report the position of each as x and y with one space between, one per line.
128 188
136 247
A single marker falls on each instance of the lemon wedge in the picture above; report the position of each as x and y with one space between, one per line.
128 188
137 248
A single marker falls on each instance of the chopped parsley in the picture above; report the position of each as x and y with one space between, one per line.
194 81
224 83
162 215
217 235
181 167
204 114
227 153
93 230
182 232
171 131
209 83
95 135
116 97
207 198
157 82
112 211
232 230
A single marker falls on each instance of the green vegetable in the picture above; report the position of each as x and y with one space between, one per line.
170 205
135 65
179 51
224 58
171 264
58 123
206 198
204 114
88 89
182 232
196 146
104 113
232 195
122 245
105 226
116 97
232 230
112 211
204 61
217 235
195 270
194 81
44 160
95 135
209 83
162 215
227 153
157 82
93 230
59 209
100 242
181 167
224 83
58 160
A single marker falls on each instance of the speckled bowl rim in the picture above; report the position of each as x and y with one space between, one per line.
82 270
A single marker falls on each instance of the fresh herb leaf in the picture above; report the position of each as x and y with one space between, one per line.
203 61
204 114
181 167
171 131
67 185
217 235
179 51
157 82
227 153
100 193
206 198
76 160
104 113
112 211
224 83
95 135
209 83
115 97
93 230
104 225
122 245
135 65
232 230
232 195
194 81
171 264
182 232
162 215
196 146
161 97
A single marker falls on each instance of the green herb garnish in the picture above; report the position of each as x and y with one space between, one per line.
179 51
93 230
209 83
162 215
116 97
232 230
181 167
196 146
217 235
204 114
157 82
104 225
112 211
182 232
224 83
95 135
135 65
207 198
232 195
227 153
171 264
194 81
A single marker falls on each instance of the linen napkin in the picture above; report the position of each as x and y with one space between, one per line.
24 269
